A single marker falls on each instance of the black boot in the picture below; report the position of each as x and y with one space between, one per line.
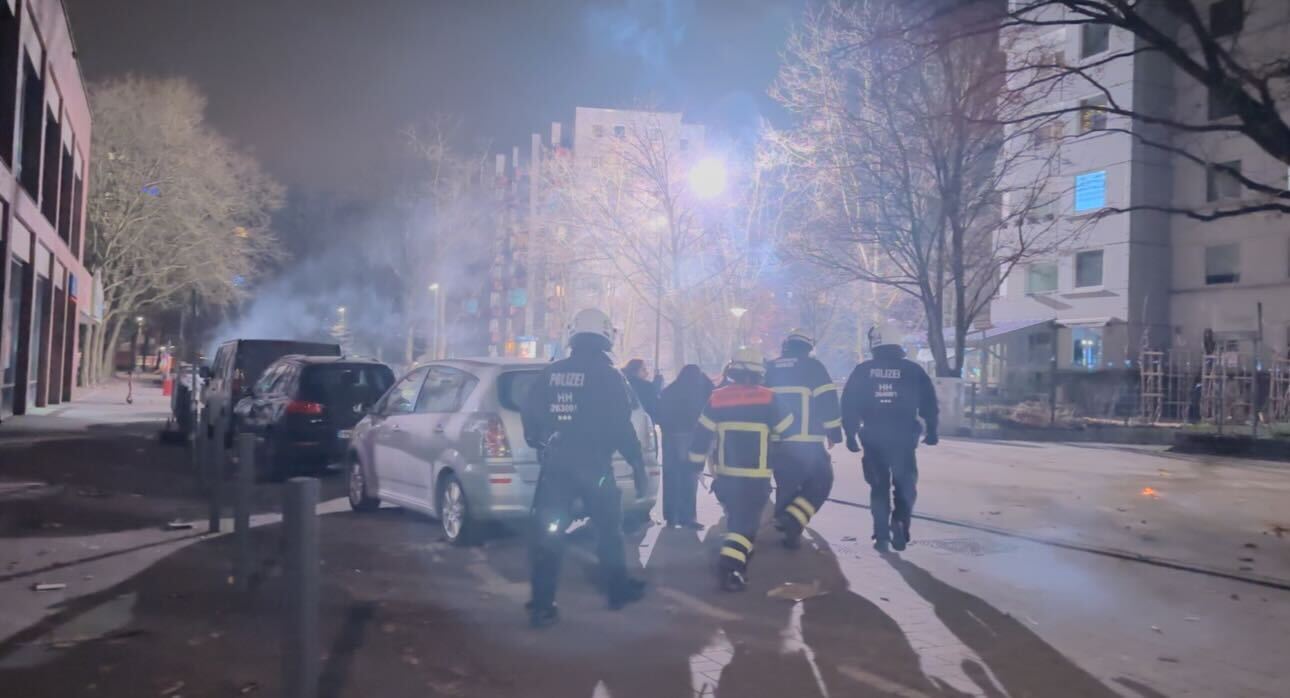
899 535
733 580
627 591
542 616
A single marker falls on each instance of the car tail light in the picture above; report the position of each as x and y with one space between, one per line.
312 409
496 445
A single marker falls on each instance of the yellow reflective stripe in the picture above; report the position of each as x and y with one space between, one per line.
698 458
708 423
808 438
824 389
805 506
797 514
737 538
833 423
784 424
736 554
742 472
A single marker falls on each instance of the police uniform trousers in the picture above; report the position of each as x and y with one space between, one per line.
560 485
891 470
744 500
803 481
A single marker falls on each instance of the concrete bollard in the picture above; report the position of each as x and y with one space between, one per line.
243 564
300 633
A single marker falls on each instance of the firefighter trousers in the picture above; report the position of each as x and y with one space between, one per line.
891 470
744 500
558 488
803 481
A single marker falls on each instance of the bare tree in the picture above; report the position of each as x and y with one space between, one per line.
173 207
904 175
1219 46
438 232
628 214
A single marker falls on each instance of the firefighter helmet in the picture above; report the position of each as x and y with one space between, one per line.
747 359
800 335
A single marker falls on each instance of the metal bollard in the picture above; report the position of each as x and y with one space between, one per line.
212 452
300 634
243 564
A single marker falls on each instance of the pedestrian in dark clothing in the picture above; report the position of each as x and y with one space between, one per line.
576 416
679 408
646 390
881 404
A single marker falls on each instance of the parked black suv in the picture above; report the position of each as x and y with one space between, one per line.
304 408
237 366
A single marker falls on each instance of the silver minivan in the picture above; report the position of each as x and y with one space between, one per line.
447 440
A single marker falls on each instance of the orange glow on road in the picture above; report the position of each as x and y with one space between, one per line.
1150 492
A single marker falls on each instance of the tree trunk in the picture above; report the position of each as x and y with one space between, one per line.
113 337
678 346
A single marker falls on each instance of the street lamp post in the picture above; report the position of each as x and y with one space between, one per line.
434 321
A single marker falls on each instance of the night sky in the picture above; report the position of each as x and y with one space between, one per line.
318 88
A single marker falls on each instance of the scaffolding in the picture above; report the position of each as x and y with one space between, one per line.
1279 392
1227 388
1167 386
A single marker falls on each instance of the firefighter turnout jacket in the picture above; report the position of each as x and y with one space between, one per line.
804 386
743 420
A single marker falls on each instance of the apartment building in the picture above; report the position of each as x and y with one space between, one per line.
1144 278
44 156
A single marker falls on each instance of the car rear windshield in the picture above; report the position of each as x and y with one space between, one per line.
345 384
513 388
253 356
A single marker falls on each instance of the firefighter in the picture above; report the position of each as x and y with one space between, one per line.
741 420
577 415
881 404
803 470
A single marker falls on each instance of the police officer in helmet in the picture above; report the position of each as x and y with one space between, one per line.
803 470
578 414
881 404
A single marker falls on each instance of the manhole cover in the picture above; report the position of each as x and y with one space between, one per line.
967 546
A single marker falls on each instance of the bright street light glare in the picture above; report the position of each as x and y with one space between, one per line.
434 287
738 312
708 178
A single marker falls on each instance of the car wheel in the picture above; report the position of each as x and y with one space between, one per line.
359 500
454 511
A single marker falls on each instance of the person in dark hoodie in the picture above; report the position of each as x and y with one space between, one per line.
645 389
881 404
679 408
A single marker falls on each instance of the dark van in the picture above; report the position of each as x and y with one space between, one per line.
304 408
237 366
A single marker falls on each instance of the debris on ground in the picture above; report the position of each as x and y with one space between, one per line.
172 689
1235 597
93 492
1251 546
1246 568
848 539
1156 629
178 526
796 591
48 586
884 598
249 687
1192 619
995 513
1170 660
1247 559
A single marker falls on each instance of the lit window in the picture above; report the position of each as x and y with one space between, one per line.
1094 39
1087 347
1090 191
1092 114
1041 277
1219 182
1223 264
1088 269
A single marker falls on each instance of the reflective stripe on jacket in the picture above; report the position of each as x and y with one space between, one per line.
804 386
740 421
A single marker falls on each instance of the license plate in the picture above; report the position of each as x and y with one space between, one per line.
344 433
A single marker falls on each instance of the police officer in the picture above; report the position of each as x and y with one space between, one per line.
741 420
803 470
880 405
577 415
